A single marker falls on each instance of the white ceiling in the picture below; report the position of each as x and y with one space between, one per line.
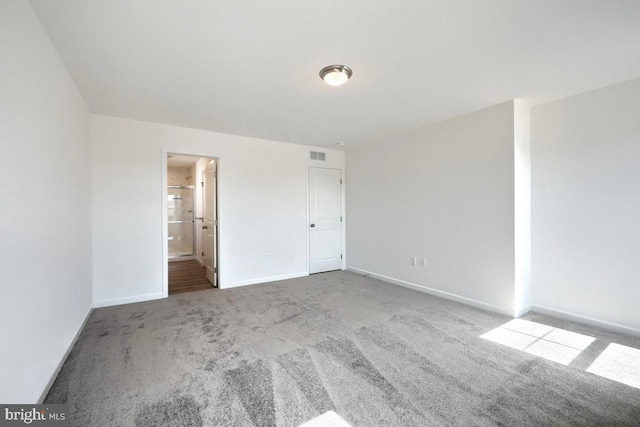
181 161
250 67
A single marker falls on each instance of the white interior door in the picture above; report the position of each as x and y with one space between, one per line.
209 222
325 215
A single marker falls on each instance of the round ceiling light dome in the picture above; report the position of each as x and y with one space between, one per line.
335 75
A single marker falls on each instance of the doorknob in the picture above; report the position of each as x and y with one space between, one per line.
313 225
204 227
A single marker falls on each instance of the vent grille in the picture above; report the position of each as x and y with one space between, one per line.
317 155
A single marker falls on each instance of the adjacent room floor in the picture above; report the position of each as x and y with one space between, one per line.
187 276
375 353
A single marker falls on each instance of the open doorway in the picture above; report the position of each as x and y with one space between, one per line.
192 223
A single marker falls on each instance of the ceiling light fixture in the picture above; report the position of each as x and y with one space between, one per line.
335 75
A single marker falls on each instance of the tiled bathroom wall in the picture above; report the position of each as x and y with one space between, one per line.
180 176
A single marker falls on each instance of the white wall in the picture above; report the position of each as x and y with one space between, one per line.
262 205
522 206
444 192
45 249
586 204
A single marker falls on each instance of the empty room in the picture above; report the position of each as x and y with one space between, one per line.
307 214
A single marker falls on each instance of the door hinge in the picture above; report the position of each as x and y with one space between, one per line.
340 219
340 181
215 174
215 270
202 184
202 253
340 256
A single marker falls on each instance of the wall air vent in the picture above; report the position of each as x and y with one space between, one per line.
317 155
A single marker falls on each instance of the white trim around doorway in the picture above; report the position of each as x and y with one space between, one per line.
165 224
340 167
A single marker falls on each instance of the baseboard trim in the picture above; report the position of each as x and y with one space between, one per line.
128 300
523 311
56 372
263 280
585 320
431 291
182 258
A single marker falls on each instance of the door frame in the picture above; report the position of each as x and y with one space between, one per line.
217 231
165 151
341 168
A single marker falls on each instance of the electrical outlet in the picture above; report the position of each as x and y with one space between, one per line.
413 260
423 262
266 256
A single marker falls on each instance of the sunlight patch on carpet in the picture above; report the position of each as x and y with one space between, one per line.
328 419
619 363
555 344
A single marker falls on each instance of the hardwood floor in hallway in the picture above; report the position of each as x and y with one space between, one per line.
187 276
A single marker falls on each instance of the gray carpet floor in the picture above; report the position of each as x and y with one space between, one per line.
282 353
